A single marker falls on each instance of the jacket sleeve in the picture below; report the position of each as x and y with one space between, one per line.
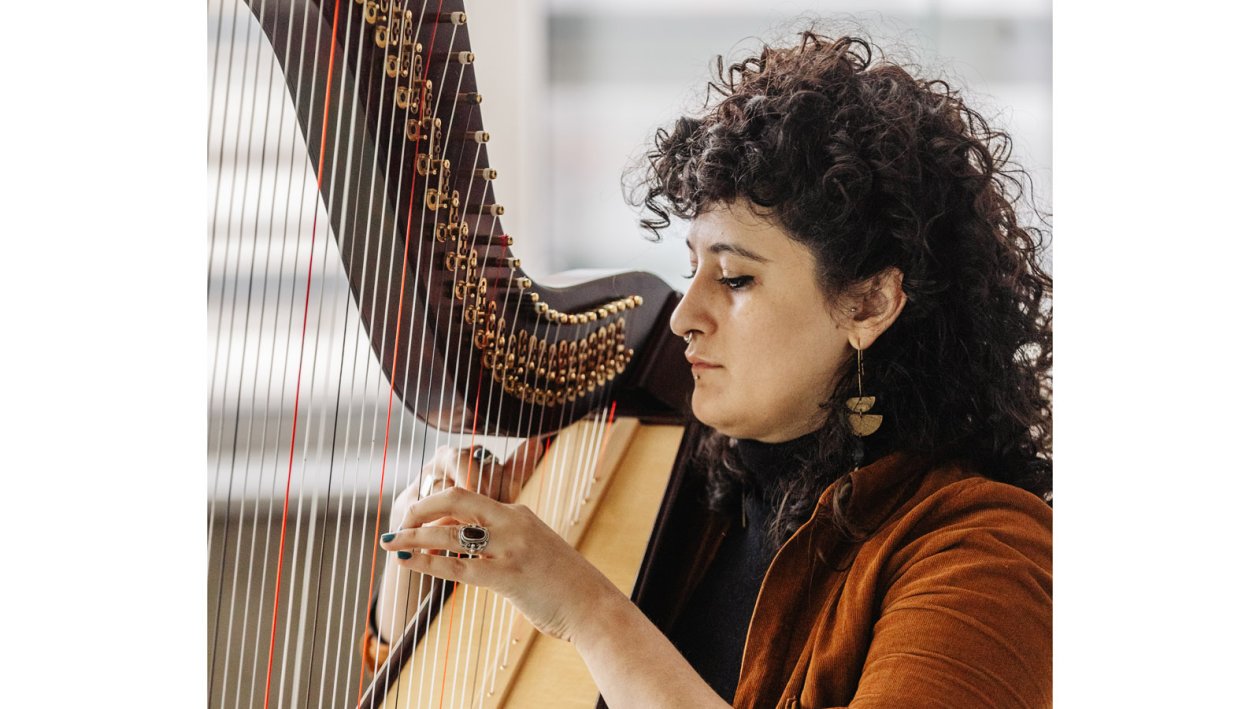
965 619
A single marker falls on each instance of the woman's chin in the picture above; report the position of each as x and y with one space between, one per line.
725 425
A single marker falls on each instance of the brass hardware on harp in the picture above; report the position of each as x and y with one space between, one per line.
435 199
392 33
455 261
450 230
454 18
409 97
403 63
594 314
484 173
550 373
460 57
495 209
475 314
439 196
414 126
477 136
503 261
470 98
462 288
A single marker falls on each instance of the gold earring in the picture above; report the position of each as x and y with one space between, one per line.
863 423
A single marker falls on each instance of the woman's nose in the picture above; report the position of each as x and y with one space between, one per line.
687 315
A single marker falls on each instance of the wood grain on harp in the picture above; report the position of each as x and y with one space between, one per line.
365 306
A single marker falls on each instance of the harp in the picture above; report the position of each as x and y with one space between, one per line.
364 303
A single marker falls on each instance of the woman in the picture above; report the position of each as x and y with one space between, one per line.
870 336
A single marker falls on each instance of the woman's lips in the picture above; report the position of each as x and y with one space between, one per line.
699 364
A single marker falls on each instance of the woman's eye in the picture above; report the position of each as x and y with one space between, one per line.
735 282
692 274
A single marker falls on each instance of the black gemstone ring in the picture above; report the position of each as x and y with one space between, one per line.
473 538
482 455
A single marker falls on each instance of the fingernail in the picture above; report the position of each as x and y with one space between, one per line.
404 555
388 537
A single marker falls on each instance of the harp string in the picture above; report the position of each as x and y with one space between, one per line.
288 634
214 217
245 344
297 163
410 213
345 615
441 586
214 212
332 51
335 449
383 231
451 312
470 655
220 342
348 316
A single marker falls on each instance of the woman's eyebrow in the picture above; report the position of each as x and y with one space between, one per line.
721 246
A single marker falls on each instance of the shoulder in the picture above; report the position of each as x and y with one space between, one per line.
954 507
959 582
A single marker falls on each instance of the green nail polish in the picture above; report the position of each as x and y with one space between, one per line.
388 537
404 555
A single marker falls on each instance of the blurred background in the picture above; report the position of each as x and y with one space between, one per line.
573 92
575 88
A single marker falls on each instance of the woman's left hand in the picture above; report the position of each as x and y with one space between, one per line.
524 560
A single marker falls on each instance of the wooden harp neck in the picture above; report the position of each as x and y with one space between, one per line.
386 95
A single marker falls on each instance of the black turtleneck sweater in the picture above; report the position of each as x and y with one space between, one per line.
711 631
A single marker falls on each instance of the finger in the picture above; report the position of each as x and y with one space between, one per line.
455 502
519 467
430 538
461 466
434 484
526 456
451 568
477 469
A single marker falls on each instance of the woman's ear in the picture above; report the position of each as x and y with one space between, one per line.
880 302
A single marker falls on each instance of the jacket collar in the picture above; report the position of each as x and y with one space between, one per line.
875 490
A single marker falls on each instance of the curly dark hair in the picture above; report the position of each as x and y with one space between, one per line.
872 168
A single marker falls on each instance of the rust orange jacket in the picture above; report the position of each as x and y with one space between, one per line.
946 604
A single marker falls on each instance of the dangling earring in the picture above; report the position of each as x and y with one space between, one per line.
862 423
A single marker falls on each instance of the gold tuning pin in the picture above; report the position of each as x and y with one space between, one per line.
495 209
454 18
470 98
482 173
478 136
461 57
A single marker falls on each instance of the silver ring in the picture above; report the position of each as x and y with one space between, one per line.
473 538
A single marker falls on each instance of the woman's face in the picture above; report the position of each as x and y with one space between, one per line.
766 349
